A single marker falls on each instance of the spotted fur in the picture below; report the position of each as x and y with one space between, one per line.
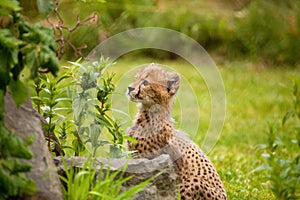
154 89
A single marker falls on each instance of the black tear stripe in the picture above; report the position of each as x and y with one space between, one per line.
138 93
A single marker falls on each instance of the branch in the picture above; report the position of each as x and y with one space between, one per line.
63 32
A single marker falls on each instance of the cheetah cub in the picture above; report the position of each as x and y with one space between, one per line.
154 89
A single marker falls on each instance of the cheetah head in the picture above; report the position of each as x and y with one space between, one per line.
153 85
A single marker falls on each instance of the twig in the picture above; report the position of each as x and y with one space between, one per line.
63 39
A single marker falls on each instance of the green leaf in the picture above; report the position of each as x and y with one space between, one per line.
29 140
15 184
21 151
115 152
18 91
44 6
104 196
8 41
39 51
266 155
29 187
31 60
19 167
63 77
260 168
9 4
9 49
78 65
78 146
103 142
130 139
78 106
95 131
137 188
287 116
65 85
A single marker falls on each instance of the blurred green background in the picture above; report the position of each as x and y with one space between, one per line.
266 31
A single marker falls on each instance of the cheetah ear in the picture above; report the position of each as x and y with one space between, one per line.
173 83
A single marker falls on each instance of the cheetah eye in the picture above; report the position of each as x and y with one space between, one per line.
145 83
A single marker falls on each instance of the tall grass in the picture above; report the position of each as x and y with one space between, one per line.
88 183
281 151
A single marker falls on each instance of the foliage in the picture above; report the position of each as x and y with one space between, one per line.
7 6
24 45
85 183
21 44
77 109
283 167
80 130
274 36
91 118
229 31
12 180
53 102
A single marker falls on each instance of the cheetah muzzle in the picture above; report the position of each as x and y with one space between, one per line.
154 89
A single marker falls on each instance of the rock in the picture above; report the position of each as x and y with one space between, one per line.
163 186
25 121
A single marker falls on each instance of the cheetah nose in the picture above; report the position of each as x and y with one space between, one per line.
130 89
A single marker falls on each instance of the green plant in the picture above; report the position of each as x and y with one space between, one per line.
91 118
12 179
76 107
113 127
22 45
295 111
272 38
281 153
85 183
30 46
53 102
